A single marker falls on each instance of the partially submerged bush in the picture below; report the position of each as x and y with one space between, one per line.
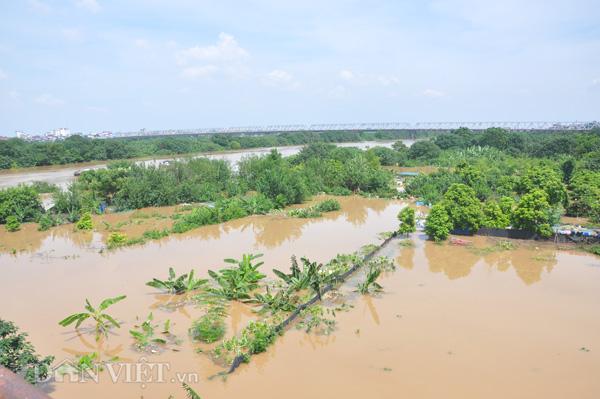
208 328
12 224
407 221
46 221
316 210
328 205
85 222
156 234
18 355
254 338
116 239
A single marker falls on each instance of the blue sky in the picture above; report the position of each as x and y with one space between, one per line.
128 64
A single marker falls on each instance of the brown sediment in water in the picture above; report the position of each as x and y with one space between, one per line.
453 322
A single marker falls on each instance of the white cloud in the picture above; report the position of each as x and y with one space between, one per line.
596 82
90 5
346 74
49 100
199 71
226 49
3 75
280 78
432 93
225 57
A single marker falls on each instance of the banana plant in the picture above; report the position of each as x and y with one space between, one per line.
238 282
308 277
144 334
178 285
281 301
370 284
103 320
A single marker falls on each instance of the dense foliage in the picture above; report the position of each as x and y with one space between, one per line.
499 179
16 153
407 221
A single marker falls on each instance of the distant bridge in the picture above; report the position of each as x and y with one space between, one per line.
393 126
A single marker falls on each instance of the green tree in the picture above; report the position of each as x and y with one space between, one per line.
463 207
584 193
438 224
407 221
494 217
424 150
534 213
546 179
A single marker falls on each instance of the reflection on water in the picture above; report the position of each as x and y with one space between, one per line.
269 231
102 347
529 260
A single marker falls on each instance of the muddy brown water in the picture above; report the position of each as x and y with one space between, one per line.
471 321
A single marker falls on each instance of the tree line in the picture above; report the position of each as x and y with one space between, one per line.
17 153
261 183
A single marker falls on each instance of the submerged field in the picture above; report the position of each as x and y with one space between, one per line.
481 320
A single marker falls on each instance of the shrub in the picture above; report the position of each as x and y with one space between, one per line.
85 222
208 328
156 234
328 205
438 224
21 202
198 217
305 213
46 221
12 224
229 209
18 355
407 221
116 240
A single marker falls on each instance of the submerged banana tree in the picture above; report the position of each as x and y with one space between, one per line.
281 301
103 320
370 284
309 277
178 285
236 283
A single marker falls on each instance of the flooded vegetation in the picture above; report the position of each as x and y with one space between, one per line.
425 323
204 279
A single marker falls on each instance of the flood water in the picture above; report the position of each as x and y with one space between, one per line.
476 321
63 175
